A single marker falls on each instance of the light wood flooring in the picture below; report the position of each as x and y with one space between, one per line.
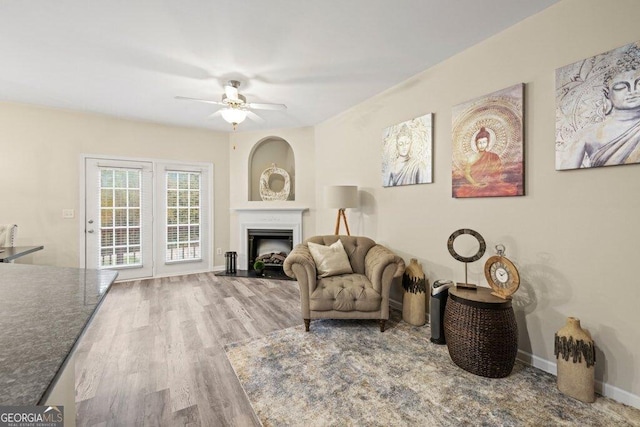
153 354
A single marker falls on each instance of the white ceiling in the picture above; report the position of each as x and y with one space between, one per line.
129 58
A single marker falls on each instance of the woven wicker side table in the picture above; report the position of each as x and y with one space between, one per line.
481 332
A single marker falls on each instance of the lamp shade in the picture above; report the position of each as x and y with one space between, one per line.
341 196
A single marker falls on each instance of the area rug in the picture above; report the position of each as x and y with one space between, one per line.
347 373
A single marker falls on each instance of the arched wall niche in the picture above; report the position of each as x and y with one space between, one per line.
268 151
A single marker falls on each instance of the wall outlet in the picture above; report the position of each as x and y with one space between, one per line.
68 213
219 251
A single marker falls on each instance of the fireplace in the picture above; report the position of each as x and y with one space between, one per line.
276 221
270 246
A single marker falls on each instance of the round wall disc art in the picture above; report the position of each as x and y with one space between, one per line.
501 274
482 247
266 193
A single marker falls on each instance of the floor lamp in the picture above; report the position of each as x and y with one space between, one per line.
341 197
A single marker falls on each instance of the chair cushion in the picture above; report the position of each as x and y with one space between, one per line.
347 292
330 260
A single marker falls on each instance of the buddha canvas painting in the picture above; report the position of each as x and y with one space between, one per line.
598 110
487 140
406 152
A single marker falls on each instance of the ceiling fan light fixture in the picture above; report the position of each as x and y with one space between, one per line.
234 116
235 107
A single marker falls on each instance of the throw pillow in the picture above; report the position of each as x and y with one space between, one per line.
330 260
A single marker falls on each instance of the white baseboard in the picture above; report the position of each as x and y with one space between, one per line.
537 362
602 388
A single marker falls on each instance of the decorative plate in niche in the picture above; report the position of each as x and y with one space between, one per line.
266 193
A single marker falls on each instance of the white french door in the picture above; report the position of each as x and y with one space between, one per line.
146 218
183 224
119 217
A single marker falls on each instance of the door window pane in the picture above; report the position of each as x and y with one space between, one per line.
106 177
106 217
172 198
120 178
183 217
106 197
183 198
183 241
120 227
134 179
134 198
134 217
120 198
172 216
194 181
183 180
120 217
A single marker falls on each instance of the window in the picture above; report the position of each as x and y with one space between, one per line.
120 207
183 226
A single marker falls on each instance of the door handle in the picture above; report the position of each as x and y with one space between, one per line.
89 231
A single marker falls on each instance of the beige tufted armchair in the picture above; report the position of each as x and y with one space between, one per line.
363 294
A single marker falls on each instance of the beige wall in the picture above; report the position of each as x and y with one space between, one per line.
241 146
40 152
573 236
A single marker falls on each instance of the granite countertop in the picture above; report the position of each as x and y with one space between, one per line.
43 312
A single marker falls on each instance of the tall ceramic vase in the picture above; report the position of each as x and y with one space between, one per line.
414 300
576 357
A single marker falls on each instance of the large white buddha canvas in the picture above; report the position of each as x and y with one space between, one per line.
598 110
406 152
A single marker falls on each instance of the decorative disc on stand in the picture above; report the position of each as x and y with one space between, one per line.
501 274
482 247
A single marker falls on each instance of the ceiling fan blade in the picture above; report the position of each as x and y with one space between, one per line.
199 100
253 116
216 114
259 106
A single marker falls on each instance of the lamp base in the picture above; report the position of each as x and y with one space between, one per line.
341 215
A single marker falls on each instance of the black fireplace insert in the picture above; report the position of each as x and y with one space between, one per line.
269 245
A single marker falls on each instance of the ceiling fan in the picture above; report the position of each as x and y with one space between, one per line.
236 108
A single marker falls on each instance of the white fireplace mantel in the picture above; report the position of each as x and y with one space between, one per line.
267 219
